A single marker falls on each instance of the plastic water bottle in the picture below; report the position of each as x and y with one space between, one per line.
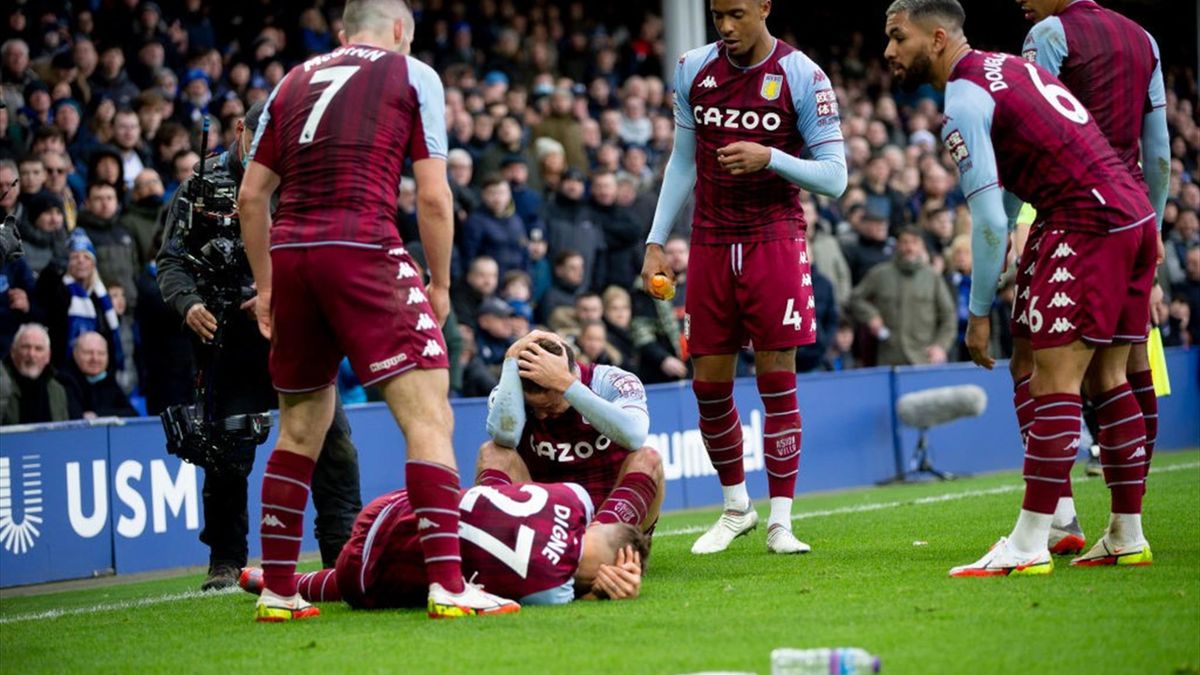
825 661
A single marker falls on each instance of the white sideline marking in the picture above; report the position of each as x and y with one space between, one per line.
883 506
860 508
127 604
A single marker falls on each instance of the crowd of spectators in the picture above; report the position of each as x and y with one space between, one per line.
559 125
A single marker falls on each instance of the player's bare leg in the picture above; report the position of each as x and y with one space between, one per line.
1124 457
782 430
721 429
1053 442
496 465
419 401
638 496
304 420
1066 536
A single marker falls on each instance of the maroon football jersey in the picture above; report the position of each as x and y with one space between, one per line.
1011 122
520 539
1097 52
568 448
337 130
784 102
524 539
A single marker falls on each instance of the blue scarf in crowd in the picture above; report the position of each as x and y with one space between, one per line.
81 316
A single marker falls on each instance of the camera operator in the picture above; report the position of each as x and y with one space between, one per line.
205 278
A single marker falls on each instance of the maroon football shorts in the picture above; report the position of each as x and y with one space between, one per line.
757 293
1083 286
364 303
384 567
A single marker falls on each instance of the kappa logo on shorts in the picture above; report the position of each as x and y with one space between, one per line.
812 302
1060 275
425 322
1064 250
1024 318
803 257
415 295
271 521
1061 325
806 280
432 348
406 271
687 326
1061 299
813 327
1032 266
1025 293
397 251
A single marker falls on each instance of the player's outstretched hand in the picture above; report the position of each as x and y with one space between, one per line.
622 581
744 157
655 263
439 300
543 368
262 311
979 335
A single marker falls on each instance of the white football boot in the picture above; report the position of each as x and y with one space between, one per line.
1002 561
781 540
472 601
730 526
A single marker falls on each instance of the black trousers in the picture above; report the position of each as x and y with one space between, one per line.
239 382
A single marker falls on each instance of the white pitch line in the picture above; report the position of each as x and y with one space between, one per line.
882 506
113 606
860 508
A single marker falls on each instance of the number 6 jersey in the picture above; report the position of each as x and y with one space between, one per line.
1012 124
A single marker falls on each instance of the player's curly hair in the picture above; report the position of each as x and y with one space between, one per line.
555 347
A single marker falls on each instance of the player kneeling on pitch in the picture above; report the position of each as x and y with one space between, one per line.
531 542
552 420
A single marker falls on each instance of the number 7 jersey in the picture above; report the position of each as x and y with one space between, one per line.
337 129
1012 124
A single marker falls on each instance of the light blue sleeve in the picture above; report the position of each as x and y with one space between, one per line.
506 407
1156 140
559 595
615 405
431 98
819 123
1046 44
967 134
679 178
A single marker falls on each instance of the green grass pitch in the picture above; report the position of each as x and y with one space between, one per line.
876 579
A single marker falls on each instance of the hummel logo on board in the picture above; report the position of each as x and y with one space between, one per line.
709 82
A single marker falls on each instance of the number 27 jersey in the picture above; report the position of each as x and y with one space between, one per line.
337 129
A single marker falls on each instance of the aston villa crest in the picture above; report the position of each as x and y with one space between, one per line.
771 86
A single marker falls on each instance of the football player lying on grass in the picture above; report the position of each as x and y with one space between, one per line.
533 542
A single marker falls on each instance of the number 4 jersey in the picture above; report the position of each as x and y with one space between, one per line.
523 541
1012 124
338 129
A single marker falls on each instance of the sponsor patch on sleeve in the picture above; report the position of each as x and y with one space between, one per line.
958 150
827 104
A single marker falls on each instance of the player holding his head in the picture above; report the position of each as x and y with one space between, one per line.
1112 66
746 107
1013 128
552 419
337 281
531 542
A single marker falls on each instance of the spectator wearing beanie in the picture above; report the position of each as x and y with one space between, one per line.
44 232
74 301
